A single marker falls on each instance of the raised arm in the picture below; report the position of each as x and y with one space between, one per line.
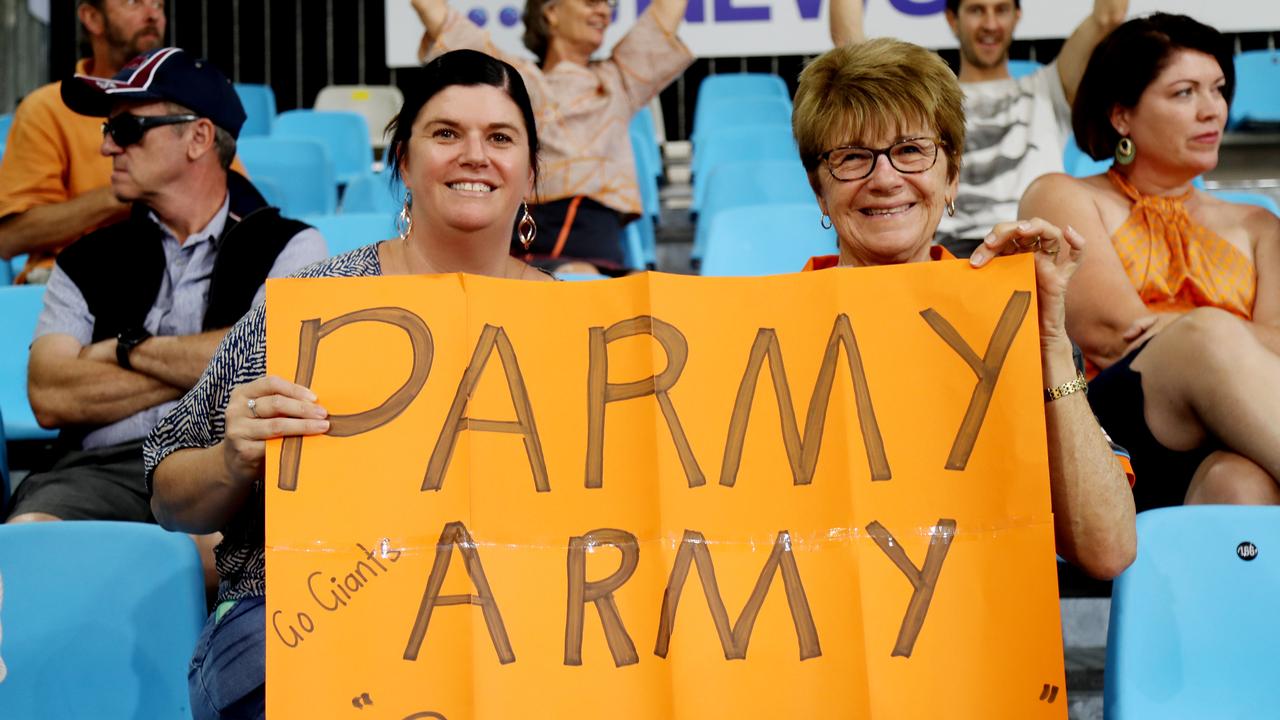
846 22
1102 306
1074 56
432 14
45 228
1093 511
669 13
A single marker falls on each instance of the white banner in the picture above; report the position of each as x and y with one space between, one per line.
732 28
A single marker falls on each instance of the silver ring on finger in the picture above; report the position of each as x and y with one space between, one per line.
253 406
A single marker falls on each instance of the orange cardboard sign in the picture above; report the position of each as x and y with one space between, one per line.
812 495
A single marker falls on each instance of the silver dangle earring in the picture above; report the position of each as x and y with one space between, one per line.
528 229
825 222
405 221
951 208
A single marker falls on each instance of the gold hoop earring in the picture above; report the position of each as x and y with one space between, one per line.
1125 151
528 229
825 222
951 208
405 221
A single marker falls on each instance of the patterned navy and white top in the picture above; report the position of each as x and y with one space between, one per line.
198 421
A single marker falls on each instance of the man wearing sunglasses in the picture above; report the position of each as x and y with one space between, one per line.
54 184
134 310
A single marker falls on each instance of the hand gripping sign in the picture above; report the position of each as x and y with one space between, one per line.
812 495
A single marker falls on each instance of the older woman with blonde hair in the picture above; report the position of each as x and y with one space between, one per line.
880 128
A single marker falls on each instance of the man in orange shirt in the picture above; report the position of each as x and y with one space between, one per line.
55 185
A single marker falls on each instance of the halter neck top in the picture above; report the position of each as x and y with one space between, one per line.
1176 264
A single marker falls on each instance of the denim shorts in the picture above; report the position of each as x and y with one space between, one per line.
227 678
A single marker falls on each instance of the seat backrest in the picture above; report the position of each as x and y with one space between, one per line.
1078 164
726 113
766 240
5 121
349 231
5 488
1249 198
737 85
644 134
373 193
377 103
300 168
740 144
738 184
1256 100
259 103
1020 68
344 133
20 306
1193 630
99 620
646 176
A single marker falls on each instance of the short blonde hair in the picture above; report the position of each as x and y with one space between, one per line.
873 88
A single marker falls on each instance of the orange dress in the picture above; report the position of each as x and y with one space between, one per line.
1177 265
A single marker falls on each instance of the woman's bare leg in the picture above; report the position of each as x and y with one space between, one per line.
1225 478
1206 376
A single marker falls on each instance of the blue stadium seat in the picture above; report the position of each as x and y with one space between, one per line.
738 184
646 175
749 143
352 230
1078 164
373 192
640 244
645 135
766 240
99 620
721 115
737 85
300 168
5 121
1193 630
259 103
1256 99
345 134
1021 68
5 488
1248 198
271 191
19 307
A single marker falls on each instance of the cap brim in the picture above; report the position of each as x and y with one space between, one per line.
87 95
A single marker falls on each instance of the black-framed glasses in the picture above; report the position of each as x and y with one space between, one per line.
126 129
913 155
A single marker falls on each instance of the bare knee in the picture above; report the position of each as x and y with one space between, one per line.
1204 341
31 517
1225 478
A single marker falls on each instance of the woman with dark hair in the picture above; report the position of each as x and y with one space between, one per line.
588 189
466 147
1177 304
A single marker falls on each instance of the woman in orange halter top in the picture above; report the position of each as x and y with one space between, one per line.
1177 301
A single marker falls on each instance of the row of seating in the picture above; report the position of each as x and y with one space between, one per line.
99 619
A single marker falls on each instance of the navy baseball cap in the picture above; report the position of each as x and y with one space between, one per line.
165 74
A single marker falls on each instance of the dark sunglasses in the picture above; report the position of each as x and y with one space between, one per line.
126 129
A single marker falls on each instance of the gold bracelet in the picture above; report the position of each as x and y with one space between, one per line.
1077 384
